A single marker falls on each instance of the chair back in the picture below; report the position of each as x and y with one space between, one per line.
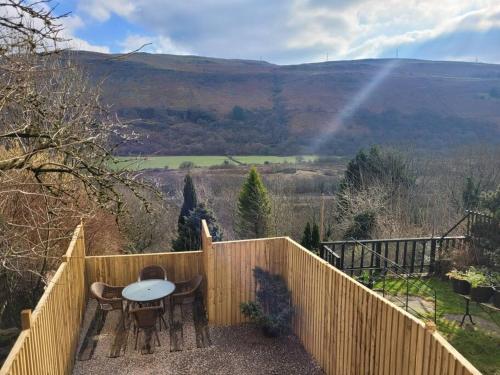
153 272
97 290
195 282
146 317
109 297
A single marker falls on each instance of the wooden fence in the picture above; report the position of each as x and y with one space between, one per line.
414 255
349 329
124 269
233 281
473 218
50 334
345 326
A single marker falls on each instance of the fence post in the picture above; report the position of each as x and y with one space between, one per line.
378 249
433 256
26 319
209 265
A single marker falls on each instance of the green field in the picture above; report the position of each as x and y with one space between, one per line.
173 162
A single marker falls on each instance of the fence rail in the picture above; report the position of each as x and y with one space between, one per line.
414 255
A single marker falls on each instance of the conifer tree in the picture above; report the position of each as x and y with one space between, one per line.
189 236
315 240
307 237
253 208
190 200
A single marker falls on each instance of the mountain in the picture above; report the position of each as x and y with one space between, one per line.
198 105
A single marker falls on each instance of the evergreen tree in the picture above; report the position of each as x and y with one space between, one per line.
307 237
362 226
471 194
190 200
315 240
253 208
189 236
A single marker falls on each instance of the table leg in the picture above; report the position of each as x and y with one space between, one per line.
467 313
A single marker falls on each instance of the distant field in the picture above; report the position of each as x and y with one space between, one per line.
173 162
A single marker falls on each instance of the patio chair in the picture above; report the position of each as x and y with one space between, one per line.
155 272
145 319
152 272
109 297
186 289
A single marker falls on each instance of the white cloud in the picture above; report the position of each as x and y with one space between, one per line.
288 31
101 10
71 24
159 44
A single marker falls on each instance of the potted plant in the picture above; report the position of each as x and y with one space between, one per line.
459 281
366 279
272 310
496 297
495 278
481 287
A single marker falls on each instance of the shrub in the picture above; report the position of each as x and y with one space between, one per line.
456 274
272 310
477 277
186 165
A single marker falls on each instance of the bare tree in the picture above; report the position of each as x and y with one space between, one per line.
56 150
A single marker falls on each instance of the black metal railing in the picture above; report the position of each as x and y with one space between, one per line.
386 269
414 255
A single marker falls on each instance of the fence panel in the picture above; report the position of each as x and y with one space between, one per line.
233 280
50 334
349 329
124 269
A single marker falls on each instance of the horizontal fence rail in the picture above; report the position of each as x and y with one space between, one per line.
48 342
414 255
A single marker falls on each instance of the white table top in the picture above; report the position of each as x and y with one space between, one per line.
148 290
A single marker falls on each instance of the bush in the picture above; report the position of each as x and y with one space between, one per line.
362 226
186 165
272 311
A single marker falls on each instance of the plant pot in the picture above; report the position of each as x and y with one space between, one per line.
481 293
442 267
460 286
270 331
368 284
496 298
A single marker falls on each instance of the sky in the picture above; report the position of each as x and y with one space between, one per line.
289 31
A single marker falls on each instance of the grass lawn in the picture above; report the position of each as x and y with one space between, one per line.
173 162
480 346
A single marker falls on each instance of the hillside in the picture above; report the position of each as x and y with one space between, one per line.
197 105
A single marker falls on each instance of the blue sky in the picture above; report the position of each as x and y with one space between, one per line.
289 31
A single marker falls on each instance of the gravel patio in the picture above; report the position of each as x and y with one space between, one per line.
188 346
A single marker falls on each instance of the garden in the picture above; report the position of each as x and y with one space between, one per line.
467 287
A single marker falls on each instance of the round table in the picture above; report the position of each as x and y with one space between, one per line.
148 290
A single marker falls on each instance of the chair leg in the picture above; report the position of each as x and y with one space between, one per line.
157 337
136 337
162 319
124 317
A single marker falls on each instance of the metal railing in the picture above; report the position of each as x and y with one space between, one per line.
415 255
385 269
